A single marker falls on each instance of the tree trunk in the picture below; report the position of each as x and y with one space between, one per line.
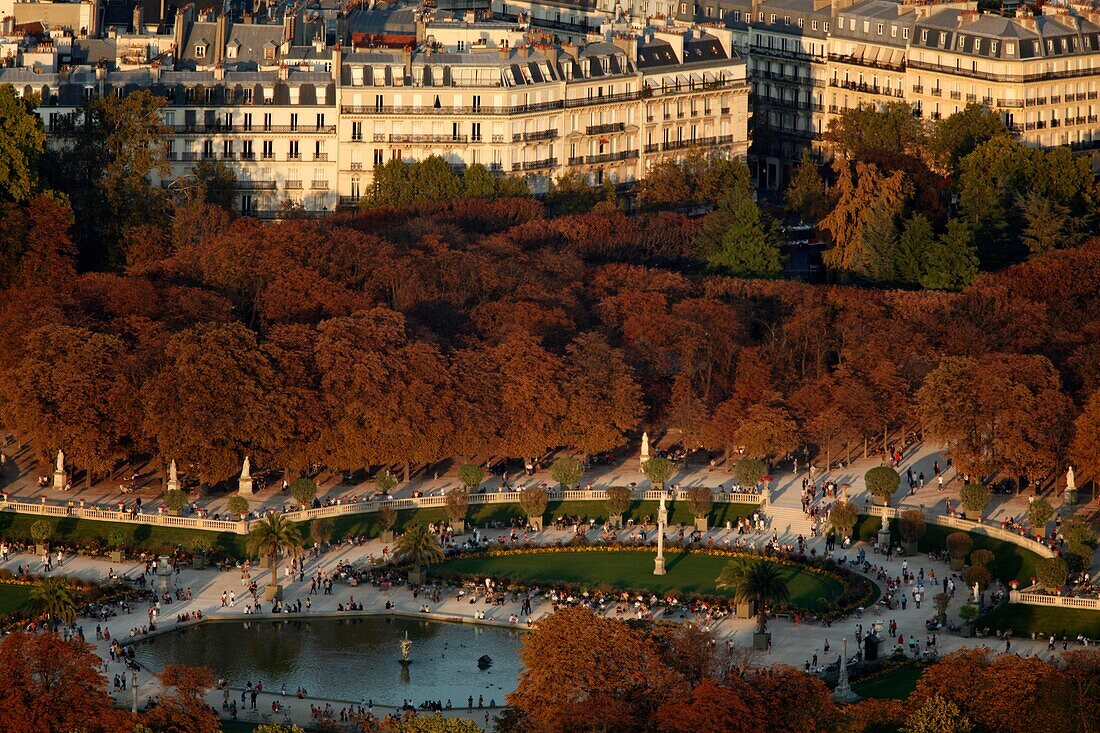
865 447
408 469
88 479
848 451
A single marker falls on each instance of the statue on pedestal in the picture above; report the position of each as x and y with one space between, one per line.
173 478
1070 494
843 692
244 483
645 449
59 476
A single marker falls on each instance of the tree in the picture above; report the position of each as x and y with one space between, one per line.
471 475
843 517
566 471
959 544
272 538
862 194
458 505
914 242
658 471
22 141
41 531
955 136
911 525
531 406
747 247
278 728
1048 224
237 505
387 518
182 708
755 581
320 530
881 483
54 598
1039 513
1085 449
304 490
937 715
979 576
386 482
709 705
701 500
805 193
619 499
1052 573
218 183
975 497
175 499
565 686
766 429
880 135
478 182
1080 543
952 259
51 685
419 547
571 194
749 471
602 398
982 558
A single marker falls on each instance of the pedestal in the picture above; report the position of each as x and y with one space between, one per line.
173 484
659 565
59 479
244 486
884 535
1069 497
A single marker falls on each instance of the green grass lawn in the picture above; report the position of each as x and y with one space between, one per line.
72 530
690 573
1025 620
894 685
13 597
1011 561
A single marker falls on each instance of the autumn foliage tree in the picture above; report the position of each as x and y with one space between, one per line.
182 708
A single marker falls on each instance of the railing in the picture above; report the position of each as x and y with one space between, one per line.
1042 599
531 136
104 514
969 525
428 138
859 86
612 157
255 185
987 76
532 165
319 185
352 201
320 156
292 185
222 129
863 62
608 127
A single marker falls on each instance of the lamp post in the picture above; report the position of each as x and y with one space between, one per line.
662 520
133 691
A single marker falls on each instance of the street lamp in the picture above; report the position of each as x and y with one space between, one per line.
133 690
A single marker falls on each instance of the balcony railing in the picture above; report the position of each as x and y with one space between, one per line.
292 185
356 165
319 185
611 157
441 139
255 185
605 128
852 60
223 129
320 157
987 76
956 95
531 136
534 165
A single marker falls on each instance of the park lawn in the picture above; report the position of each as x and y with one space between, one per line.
1011 562
13 597
1025 620
73 530
686 572
894 685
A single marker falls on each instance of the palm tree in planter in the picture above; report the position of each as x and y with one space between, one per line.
54 597
619 499
387 518
421 548
116 539
271 539
702 501
759 584
534 499
458 505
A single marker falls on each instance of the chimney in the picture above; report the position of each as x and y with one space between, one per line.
221 37
967 17
408 53
524 51
629 45
504 52
288 27
337 64
139 19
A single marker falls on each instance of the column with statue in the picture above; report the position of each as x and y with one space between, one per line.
662 522
1070 494
59 476
244 483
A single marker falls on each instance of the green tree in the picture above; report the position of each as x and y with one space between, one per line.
619 499
1052 573
385 481
534 499
391 185
478 182
1048 225
959 544
755 581
975 497
218 183
419 547
658 471
951 262
878 255
955 136
1080 542
237 505
937 715
273 538
304 490
471 475
387 518
913 245
911 525
881 483
871 134
22 141
805 193
749 471
54 597
843 517
571 194
512 187
566 471
1039 513
747 247
433 179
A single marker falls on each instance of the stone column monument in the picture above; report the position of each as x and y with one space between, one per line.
244 483
1070 494
173 478
645 449
662 521
843 692
59 476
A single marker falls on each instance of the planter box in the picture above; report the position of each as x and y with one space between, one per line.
909 547
41 548
387 536
198 563
417 577
744 610
701 524
273 592
535 522
458 526
761 641
958 563
616 521
116 555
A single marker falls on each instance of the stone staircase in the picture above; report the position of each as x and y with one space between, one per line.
789 522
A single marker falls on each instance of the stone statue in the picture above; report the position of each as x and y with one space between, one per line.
246 469
977 592
244 483
172 471
60 462
60 480
1071 481
645 448
406 647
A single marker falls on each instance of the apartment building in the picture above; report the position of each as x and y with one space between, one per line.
305 125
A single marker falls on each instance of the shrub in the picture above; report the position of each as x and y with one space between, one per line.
116 539
471 475
978 574
911 525
658 471
457 505
959 544
982 558
534 500
321 530
882 482
975 497
387 518
304 490
843 517
237 505
175 499
41 530
385 481
567 471
1051 573
1038 514
618 500
201 544
701 500
749 471
968 613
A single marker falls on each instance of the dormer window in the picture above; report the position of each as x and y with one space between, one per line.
1010 49
269 53
878 28
993 47
905 33
200 51
977 45
786 20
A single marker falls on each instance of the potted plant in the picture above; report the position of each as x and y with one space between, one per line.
387 518
40 533
748 472
968 613
567 472
911 526
175 500
959 544
1051 573
881 483
238 505
982 558
199 547
974 499
658 471
942 601
457 507
618 501
320 530
471 475
702 501
421 548
304 491
1039 513
534 499
271 539
843 518
759 583
116 539
979 576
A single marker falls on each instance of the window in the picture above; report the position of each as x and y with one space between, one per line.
267 121
851 24
737 16
825 26
293 153
977 45
760 17
993 47
962 41
248 96
1010 49
924 36
269 149
771 19
320 120
905 33
475 132
269 53
801 23
878 28
377 157
786 20
813 24
200 52
462 46
357 131
247 121
294 122
683 8
1050 46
